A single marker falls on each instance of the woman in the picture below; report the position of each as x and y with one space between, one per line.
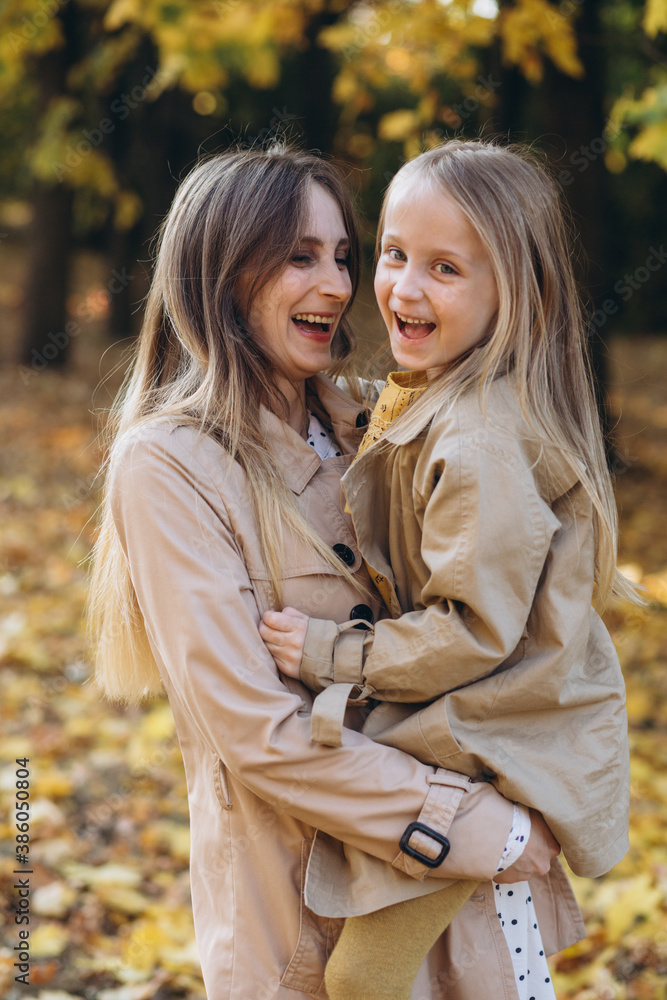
218 508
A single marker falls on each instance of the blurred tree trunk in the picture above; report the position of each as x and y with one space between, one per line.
574 123
122 250
507 118
152 151
45 339
45 336
316 72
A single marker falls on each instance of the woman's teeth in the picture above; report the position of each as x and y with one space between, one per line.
313 318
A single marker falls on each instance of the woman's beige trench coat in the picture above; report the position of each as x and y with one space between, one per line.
258 788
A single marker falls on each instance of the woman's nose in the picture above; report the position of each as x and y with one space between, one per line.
335 282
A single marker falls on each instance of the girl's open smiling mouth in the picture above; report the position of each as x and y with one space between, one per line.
413 328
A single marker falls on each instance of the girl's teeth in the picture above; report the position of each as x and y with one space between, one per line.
420 322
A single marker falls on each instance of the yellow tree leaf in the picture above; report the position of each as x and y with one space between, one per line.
651 144
655 17
128 209
531 27
120 12
397 125
649 114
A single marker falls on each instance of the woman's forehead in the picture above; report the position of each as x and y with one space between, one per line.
324 217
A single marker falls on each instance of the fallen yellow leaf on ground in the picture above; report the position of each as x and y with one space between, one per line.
636 899
48 939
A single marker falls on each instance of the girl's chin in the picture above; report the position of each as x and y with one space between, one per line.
409 356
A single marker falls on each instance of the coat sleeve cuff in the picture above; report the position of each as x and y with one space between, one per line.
480 820
348 657
442 802
332 654
317 663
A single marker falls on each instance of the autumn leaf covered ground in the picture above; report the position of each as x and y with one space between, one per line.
110 910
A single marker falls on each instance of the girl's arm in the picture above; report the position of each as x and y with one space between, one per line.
485 539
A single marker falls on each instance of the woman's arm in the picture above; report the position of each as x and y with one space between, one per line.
200 613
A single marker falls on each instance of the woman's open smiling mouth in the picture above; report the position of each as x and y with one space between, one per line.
317 326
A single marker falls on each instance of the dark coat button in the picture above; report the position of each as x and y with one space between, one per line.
362 419
344 552
362 611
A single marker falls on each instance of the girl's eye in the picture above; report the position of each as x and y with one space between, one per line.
395 253
446 269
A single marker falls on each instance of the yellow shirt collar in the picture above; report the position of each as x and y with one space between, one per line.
400 391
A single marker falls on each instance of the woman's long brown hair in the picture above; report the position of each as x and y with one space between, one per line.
234 225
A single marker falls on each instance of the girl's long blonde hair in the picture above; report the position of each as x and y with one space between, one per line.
234 225
539 337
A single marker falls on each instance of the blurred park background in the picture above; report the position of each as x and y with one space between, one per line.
104 106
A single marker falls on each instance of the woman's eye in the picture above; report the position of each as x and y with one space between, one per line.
445 269
343 261
302 258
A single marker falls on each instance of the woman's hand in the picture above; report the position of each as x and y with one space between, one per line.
539 852
284 634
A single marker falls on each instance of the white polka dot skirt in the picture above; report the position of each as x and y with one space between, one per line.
517 916
518 919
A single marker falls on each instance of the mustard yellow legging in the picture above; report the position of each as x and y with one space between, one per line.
378 954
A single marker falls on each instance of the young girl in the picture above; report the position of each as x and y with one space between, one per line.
484 510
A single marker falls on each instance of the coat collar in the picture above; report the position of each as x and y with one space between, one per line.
347 418
555 474
335 408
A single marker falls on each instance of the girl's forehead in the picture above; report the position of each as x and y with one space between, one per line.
417 200
406 188
428 220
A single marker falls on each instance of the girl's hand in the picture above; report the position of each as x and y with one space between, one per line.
541 849
284 634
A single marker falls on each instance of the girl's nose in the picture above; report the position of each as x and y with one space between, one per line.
406 286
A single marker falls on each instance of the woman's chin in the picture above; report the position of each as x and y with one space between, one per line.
310 364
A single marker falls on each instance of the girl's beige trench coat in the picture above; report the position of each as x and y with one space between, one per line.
259 789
